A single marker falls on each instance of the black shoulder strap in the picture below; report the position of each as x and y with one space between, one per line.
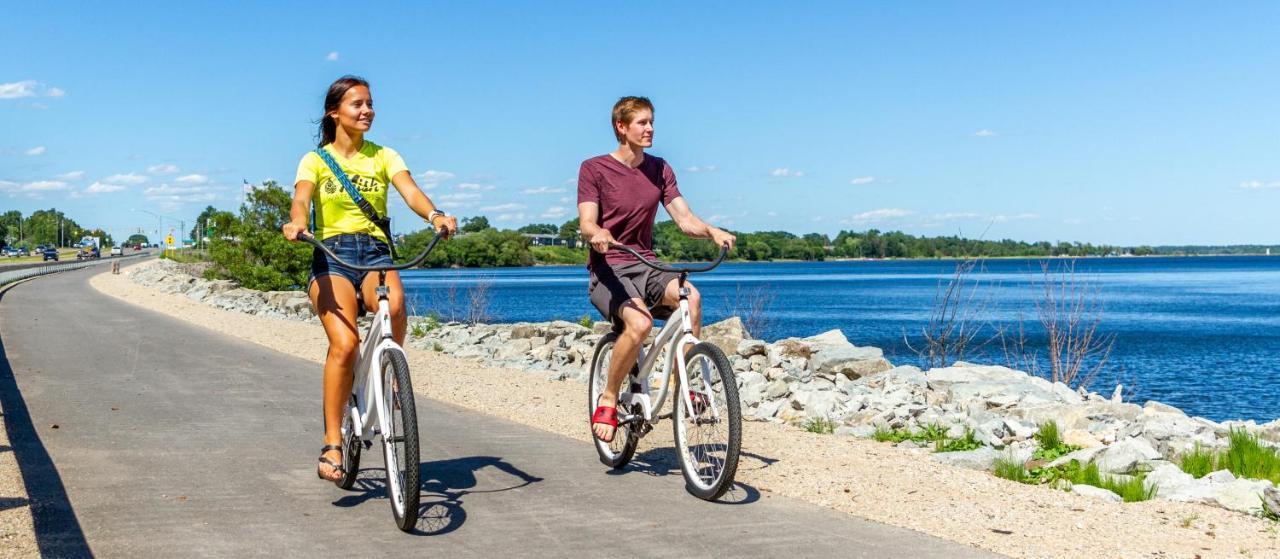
366 208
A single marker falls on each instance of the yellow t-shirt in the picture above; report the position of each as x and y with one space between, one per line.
370 171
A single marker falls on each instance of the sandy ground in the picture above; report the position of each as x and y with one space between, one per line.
860 477
17 533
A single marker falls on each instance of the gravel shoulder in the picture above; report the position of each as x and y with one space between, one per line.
871 480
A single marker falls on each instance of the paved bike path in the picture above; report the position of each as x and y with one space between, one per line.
172 440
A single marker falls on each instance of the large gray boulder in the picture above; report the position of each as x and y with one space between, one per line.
1096 493
983 458
726 334
1125 455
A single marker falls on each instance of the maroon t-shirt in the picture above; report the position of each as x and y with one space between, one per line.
628 200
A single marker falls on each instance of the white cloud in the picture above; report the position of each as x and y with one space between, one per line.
785 172
162 169
457 196
816 219
863 180
542 190
7 186
984 133
175 196
28 88
566 199
130 178
432 178
883 214
1073 221
192 179
38 150
555 212
1259 185
1001 218
72 176
45 186
474 186
332 56
771 214
702 169
510 217
950 216
103 188
502 208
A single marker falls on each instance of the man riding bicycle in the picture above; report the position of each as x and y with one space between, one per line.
618 198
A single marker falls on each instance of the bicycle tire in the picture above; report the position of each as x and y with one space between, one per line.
707 462
403 489
350 449
618 453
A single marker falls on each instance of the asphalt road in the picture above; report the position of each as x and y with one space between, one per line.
139 435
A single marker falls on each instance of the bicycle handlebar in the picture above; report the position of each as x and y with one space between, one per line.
307 237
724 251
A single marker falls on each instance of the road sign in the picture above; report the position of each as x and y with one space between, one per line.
168 241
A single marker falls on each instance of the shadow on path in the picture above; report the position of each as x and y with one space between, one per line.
444 484
58 532
664 462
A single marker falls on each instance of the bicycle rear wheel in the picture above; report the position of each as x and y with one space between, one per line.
617 453
400 439
709 436
350 447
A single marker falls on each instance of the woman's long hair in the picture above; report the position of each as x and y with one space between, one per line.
328 126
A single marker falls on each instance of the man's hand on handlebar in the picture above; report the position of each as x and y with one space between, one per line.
292 230
722 237
602 241
447 225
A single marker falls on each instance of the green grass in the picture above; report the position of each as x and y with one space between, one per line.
1130 490
1051 445
1012 470
435 346
585 321
966 442
420 327
1245 457
820 425
931 433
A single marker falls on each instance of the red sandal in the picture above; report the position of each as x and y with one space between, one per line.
605 415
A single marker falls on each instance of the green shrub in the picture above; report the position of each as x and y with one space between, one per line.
585 321
933 432
820 425
560 255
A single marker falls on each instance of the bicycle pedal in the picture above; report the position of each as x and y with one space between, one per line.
666 415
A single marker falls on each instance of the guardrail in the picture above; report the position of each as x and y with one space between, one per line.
19 275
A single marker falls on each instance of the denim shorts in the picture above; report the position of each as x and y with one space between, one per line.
356 248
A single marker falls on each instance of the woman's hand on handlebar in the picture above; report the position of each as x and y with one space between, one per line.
292 230
723 238
602 241
447 225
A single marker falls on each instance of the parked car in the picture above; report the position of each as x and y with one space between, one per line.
117 251
24 252
51 253
11 252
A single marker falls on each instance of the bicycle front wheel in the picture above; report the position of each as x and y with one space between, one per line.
400 439
708 424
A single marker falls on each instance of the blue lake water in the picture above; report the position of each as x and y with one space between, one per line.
1200 333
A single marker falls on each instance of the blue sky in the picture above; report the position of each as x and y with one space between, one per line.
1147 123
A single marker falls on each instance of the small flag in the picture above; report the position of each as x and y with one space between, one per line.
247 187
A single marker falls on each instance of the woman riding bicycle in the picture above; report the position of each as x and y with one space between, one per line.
618 197
346 225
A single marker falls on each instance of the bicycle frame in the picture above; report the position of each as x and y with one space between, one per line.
674 336
366 385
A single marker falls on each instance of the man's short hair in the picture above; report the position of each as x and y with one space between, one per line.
625 110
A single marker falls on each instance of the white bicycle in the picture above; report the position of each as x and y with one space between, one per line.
708 418
382 404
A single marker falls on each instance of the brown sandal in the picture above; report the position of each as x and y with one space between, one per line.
337 468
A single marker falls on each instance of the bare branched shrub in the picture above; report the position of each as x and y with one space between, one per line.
955 325
1069 308
446 303
478 297
752 306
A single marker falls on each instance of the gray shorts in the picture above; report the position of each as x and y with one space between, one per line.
611 286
